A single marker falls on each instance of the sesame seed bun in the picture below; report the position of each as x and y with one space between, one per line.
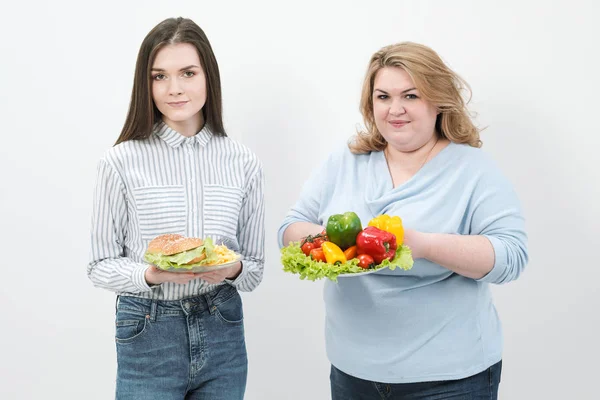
170 244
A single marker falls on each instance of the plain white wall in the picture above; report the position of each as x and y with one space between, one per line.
291 75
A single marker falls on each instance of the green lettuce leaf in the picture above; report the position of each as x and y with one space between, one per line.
295 262
180 260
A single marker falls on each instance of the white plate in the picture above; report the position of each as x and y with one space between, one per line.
367 272
203 268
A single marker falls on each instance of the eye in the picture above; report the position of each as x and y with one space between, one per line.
158 77
383 97
411 96
188 74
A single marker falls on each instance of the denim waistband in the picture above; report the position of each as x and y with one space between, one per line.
191 305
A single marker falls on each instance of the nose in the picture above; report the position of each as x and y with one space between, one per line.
175 87
397 108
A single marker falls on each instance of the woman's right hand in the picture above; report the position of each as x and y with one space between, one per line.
155 276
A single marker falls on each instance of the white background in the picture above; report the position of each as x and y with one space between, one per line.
292 73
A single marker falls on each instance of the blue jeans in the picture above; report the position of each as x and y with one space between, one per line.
185 349
482 386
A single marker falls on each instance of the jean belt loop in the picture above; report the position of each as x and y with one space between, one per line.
209 303
153 310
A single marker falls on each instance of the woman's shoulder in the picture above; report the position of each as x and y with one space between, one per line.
114 156
474 162
339 159
231 144
235 149
127 150
470 155
343 155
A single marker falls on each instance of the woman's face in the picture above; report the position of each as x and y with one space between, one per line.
179 85
405 120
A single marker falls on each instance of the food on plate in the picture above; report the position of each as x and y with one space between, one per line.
343 228
333 253
318 255
379 244
313 242
390 224
344 248
365 261
224 255
350 252
174 251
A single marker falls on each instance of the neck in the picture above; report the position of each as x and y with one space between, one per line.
403 165
189 127
411 159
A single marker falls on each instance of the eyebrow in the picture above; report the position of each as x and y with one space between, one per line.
182 69
404 91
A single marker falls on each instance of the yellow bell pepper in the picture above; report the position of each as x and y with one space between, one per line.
333 253
389 224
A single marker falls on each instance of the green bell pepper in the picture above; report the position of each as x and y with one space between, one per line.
343 228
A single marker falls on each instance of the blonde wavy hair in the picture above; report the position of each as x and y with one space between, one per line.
436 83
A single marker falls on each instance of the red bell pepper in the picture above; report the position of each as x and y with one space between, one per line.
377 243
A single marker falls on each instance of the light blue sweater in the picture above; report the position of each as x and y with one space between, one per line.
427 323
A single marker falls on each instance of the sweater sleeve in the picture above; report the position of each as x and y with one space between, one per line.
308 206
496 214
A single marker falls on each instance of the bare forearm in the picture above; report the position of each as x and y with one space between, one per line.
468 255
299 230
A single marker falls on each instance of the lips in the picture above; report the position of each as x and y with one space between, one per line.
177 103
398 123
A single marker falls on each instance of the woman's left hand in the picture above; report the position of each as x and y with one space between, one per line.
418 243
218 276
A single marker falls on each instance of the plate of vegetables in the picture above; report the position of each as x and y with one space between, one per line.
345 249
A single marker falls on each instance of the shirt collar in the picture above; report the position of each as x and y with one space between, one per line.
176 139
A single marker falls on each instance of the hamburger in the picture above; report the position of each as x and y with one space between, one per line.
173 251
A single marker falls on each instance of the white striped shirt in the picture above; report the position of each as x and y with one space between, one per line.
199 186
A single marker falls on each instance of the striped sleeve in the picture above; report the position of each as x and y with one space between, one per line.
251 235
108 267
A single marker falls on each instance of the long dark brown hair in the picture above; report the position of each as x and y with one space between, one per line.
143 113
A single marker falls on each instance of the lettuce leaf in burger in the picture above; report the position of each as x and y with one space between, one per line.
172 251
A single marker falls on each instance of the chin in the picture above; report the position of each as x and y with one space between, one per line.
407 145
179 117
399 138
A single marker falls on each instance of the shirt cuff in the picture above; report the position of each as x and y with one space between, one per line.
139 280
500 266
240 277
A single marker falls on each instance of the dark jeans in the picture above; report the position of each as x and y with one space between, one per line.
185 349
482 386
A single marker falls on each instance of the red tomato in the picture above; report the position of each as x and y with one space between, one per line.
365 261
318 255
318 241
307 247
